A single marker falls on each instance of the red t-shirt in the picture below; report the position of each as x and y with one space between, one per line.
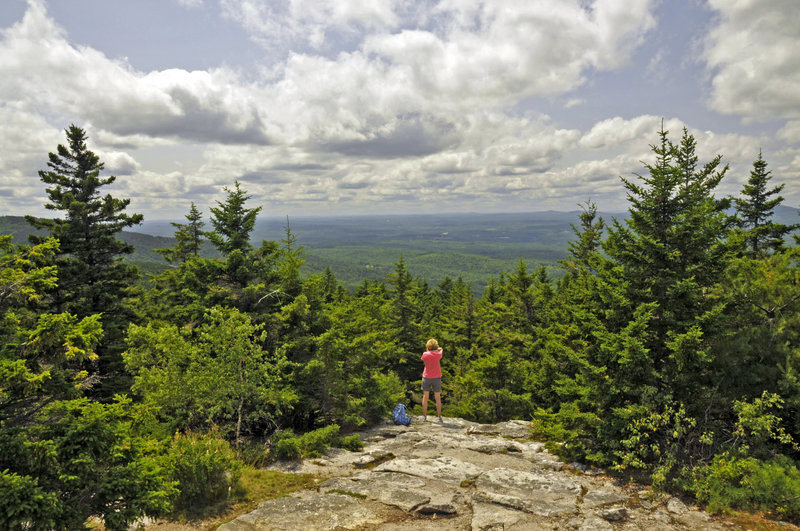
431 360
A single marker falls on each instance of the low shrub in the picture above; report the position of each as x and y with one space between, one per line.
205 467
732 482
287 445
24 503
351 442
314 443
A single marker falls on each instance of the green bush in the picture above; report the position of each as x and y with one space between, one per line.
23 503
286 445
732 482
352 443
205 467
80 459
314 443
570 433
253 454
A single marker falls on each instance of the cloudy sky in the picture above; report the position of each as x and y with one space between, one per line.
393 106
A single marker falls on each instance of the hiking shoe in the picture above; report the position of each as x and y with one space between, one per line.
441 421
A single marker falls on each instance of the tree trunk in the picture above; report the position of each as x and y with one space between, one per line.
239 420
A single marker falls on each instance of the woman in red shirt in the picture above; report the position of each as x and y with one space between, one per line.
432 378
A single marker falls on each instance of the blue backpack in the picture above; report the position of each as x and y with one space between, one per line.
400 416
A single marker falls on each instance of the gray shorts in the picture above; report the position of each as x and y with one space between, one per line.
435 383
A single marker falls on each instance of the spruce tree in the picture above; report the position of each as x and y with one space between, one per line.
589 240
91 273
92 276
404 310
755 209
189 236
292 258
672 247
232 222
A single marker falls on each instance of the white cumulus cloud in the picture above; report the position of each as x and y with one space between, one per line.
751 53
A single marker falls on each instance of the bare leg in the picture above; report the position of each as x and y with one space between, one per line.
438 398
425 395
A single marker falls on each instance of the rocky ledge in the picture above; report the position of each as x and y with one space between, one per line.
463 475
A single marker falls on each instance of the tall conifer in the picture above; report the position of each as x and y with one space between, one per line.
189 236
92 276
232 222
755 209
672 247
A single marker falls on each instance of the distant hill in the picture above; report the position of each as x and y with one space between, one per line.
476 247
144 256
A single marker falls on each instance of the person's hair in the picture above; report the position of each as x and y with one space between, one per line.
432 345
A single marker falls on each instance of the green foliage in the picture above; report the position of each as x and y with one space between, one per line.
733 482
493 389
25 273
205 469
216 375
352 380
82 459
352 443
569 432
24 504
654 440
63 460
92 278
286 445
754 212
638 366
632 360
759 428
189 238
314 443
42 355
232 222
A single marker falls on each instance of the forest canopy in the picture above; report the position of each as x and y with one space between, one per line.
668 350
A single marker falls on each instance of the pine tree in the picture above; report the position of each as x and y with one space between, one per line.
755 209
189 236
589 240
404 312
672 253
292 258
92 276
194 230
232 222
672 247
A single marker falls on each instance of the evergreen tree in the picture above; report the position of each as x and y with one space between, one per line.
92 277
672 247
589 240
63 458
352 378
189 236
672 253
404 316
292 258
755 209
232 222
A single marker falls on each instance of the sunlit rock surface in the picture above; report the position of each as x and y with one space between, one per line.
462 475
